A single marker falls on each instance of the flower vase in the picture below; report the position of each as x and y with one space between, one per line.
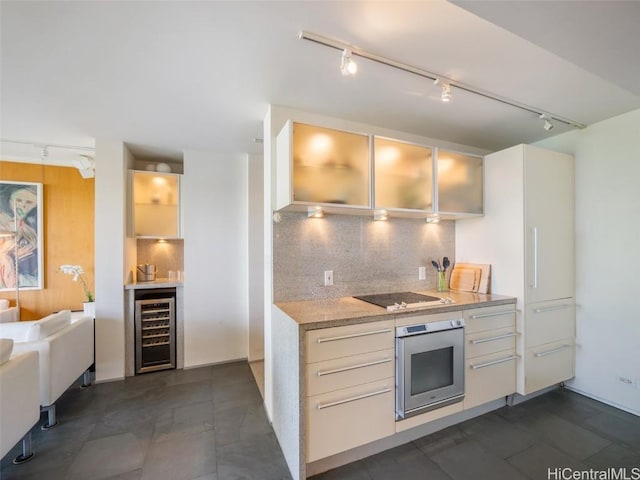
89 309
442 282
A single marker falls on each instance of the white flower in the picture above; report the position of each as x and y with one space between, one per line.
77 271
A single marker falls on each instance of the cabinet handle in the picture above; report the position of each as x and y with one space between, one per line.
551 309
495 314
352 399
534 232
320 373
549 352
491 339
494 362
353 335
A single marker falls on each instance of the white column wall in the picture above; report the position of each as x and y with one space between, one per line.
215 213
111 256
607 228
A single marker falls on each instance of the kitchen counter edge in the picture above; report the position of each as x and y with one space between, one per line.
159 283
338 312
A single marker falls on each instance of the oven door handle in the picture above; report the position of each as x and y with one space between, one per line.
320 406
321 373
353 335
494 362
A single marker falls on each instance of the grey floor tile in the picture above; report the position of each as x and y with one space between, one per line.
109 456
393 456
468 460
441 441
240 423
194 455
351 471
566 436
497 435
614 455
258 458
541 461
621 426
416 468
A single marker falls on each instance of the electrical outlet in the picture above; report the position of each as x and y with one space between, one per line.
328 278
422 273
625 381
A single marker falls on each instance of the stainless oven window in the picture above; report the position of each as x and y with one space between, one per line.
431 370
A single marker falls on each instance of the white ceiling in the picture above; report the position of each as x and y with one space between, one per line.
169 76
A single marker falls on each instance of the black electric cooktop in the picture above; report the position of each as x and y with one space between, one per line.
387 300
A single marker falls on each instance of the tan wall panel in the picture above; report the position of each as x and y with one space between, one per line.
68 225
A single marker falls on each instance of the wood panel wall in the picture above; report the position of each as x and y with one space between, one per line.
68 224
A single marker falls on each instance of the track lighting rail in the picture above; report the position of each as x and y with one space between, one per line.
358 52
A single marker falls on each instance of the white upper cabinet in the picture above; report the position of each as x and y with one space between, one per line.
321 166
460 184
155 205
403 175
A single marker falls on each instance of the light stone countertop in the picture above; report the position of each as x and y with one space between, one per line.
314 314
158 283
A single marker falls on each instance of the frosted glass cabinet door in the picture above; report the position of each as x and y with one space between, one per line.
460 183
330 166
156 204
403 175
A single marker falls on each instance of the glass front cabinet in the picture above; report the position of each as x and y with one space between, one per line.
360 173
322 167
155 205
460 184
403 176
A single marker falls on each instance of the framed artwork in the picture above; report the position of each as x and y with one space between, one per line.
21 212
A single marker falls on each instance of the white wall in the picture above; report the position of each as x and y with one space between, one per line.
215 213
111 256
256 258
607 257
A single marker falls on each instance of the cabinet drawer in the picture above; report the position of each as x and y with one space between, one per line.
489 318
548 364
344 372
336 342
485 343
489 377
550 321
347 418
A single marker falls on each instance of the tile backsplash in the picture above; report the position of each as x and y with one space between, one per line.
365 256
167 256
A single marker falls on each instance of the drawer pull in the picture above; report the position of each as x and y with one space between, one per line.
551 309
352 399
491 339
320 373
549 352
495 362
353 335
495 314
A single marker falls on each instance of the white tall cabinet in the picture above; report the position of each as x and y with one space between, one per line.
528 237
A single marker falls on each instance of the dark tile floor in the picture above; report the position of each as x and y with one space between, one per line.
209 424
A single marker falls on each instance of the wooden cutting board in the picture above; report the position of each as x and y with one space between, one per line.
465 279
481 277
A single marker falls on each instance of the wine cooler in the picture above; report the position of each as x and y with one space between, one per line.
155 320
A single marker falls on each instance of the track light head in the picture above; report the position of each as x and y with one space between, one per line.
348 66
548 126
446 96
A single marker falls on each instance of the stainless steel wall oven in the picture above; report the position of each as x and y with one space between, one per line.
429 366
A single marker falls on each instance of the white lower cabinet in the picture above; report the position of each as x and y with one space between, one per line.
350 387
549 364
490 354
346 418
